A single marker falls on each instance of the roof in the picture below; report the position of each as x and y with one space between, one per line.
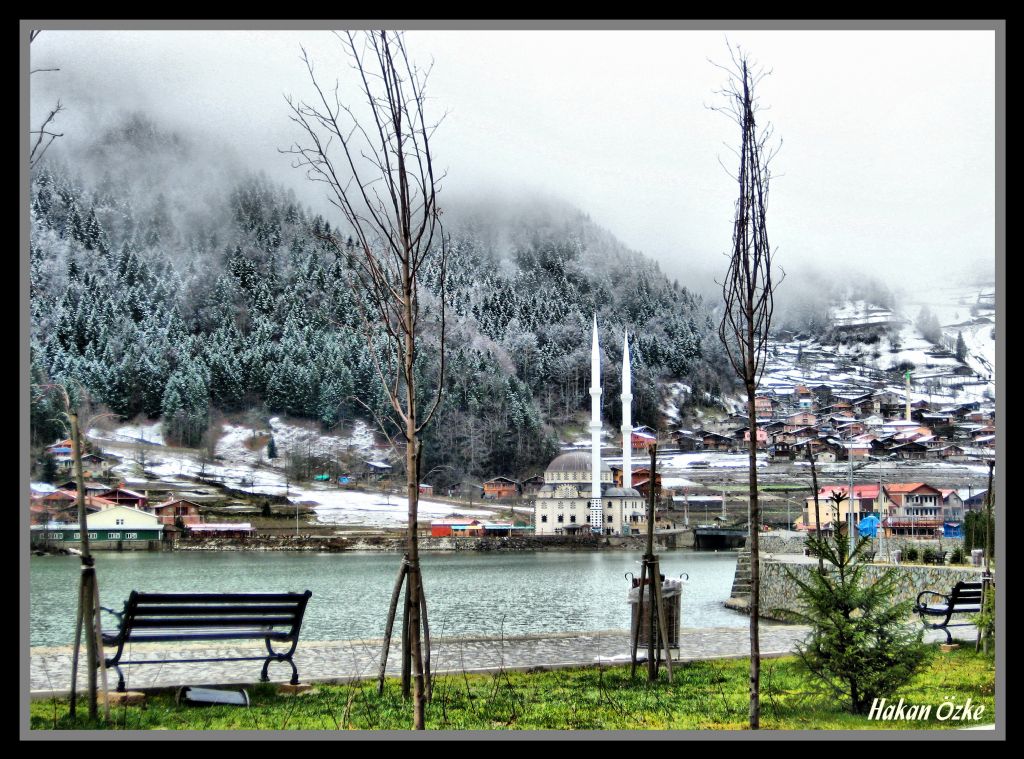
219 527
127 492
574 461
908 487
501 479
859 491
622 493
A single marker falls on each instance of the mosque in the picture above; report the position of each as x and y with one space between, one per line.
579 492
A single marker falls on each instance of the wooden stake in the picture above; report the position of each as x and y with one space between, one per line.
662 617
390 626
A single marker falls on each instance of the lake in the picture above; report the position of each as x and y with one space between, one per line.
468 593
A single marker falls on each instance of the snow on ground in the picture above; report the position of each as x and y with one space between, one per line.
713 460
332 505
679 482
132 433
232 444
239 468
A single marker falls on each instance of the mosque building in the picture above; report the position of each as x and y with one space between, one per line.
579 493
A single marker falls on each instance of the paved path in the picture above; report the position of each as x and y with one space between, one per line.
339 660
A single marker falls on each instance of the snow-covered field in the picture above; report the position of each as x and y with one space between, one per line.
238 467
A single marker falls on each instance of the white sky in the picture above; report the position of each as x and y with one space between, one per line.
887 166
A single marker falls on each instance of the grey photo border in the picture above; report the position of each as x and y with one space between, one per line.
998 26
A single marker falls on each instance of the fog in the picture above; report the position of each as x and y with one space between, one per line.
887 162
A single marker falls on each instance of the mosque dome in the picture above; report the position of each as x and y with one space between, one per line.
622 493
574 461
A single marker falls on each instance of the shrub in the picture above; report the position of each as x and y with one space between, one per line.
956 556
859 647
910 554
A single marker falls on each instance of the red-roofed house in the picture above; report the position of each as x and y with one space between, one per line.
914 508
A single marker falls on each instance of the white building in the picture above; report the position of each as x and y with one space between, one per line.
578 492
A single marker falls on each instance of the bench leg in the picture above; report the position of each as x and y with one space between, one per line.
120 679
266 664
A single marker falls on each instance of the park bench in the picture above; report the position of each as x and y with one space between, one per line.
187 617
934 557
965 598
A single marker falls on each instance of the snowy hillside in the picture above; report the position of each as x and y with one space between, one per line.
238 466
868 347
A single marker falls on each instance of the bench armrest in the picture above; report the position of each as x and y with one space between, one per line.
923 593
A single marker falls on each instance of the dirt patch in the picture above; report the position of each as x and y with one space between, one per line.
257 442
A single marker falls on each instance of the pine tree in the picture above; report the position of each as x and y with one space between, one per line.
271 448
961 347
859 647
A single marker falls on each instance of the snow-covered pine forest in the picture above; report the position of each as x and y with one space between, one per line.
166 295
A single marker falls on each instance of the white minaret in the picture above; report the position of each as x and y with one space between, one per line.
596 512
627 416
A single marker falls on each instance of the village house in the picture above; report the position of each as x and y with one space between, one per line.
914 508
865 501
444 528
171 512
115 528
531 485
803 398
125 497
762 438
764 406
714 442
642 438
687 441
501 487
800 419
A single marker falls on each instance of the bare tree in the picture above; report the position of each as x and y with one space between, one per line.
748 295
377 163
44 136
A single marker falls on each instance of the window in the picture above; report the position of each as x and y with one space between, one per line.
544 518
572 518
609 517
561 518
118 521
131 536
113 536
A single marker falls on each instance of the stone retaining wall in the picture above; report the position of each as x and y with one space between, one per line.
777 589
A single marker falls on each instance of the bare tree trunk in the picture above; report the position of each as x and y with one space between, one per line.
755 571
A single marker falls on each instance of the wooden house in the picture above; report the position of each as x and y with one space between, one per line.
170 512
501 487
125 497
531 485
714 442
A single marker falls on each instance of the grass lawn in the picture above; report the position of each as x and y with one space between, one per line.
707 695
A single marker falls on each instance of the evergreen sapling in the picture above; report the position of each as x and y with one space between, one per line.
860 647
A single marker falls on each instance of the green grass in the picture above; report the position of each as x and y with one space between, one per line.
710 695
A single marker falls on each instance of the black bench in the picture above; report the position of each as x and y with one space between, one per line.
931 557
185 617
965 598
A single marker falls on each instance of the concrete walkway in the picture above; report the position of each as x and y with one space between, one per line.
322 661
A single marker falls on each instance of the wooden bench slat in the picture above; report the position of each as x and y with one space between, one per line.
146 610
233 598
166 637
225 621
